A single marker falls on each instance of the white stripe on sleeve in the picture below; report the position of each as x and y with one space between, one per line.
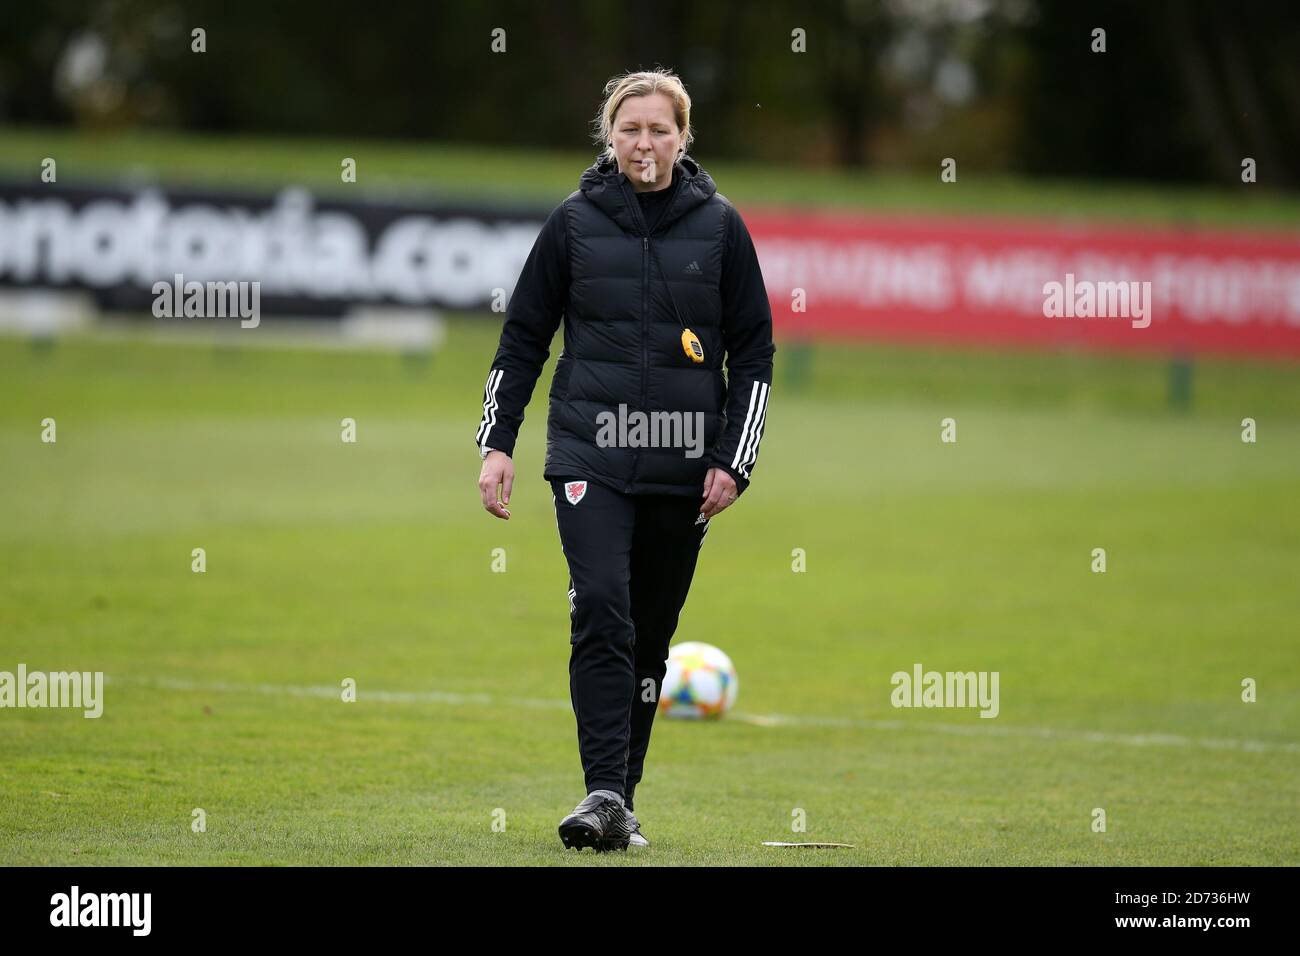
489 407
752 433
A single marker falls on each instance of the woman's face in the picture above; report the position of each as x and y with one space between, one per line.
646 140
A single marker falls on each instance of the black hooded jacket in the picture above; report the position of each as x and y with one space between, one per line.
626 293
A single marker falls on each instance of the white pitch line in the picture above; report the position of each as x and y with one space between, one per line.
756 720
334 693
1044 733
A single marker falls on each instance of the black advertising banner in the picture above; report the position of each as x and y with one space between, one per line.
312 255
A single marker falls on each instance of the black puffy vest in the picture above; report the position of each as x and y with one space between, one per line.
622 334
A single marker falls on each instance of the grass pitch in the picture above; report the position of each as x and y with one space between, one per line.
373 561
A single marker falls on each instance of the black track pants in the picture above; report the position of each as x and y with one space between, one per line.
631 559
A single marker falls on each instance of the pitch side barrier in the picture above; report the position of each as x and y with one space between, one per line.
984 282
1033 284
310 255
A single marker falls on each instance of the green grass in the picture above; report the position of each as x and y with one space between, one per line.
373 561
543 178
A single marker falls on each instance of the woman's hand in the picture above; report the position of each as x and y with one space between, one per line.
719 492
498 472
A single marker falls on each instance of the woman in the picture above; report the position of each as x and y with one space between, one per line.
656 278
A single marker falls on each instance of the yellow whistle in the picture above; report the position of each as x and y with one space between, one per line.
691 345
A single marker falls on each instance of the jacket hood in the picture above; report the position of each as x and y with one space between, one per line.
605 185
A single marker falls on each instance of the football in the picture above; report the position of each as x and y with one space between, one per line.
700 683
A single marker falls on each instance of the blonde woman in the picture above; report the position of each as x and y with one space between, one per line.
655 278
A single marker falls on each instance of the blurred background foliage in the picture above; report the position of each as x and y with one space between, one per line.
1184 91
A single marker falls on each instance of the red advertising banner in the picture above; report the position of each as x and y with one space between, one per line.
1031 284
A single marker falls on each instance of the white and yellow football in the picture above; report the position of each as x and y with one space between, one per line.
700 683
